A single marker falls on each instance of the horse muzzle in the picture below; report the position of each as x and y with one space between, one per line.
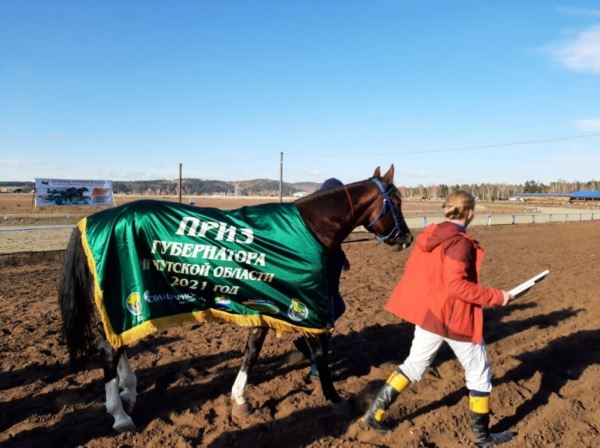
404 241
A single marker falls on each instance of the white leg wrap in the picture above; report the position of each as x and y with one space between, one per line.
114 407
239 386
128 382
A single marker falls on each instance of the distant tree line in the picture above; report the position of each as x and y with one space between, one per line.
560 186
16 187
256 187
486 192
493 192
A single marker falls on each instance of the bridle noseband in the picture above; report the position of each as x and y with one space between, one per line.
387 207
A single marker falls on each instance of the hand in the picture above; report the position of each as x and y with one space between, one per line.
506 297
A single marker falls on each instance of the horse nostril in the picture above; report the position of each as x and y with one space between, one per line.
407 241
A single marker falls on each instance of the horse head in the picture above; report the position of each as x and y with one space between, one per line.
384 216
374 203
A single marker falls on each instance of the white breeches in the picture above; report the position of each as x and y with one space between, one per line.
473 358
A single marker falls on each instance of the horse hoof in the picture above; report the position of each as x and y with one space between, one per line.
239 411
126 425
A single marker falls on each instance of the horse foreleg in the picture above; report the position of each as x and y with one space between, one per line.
321 357
256 338
110 360
127 382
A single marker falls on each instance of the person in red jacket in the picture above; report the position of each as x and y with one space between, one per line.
439 293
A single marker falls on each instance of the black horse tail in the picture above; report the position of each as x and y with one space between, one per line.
75 300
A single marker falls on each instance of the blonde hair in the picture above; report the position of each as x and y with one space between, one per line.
458 204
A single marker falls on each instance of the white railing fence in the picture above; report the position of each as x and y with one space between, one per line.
418 222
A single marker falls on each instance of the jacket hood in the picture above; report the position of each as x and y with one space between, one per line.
436 234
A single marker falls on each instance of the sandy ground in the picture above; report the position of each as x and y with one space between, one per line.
544 349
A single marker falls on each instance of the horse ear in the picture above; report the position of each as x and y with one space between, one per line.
377 172
388 177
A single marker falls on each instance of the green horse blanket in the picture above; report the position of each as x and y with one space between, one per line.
157 264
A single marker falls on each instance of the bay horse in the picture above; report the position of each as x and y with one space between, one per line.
330 216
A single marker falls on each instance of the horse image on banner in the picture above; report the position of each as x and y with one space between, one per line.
148 265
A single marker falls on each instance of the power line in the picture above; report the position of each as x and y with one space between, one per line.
226 161
459 148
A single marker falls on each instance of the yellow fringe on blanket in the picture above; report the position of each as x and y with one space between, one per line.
152 326
254 320
98 296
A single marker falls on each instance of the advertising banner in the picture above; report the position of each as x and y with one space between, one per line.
73 192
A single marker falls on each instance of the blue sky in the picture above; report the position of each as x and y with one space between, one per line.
126 90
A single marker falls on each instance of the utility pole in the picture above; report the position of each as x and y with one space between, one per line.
280 177
180 182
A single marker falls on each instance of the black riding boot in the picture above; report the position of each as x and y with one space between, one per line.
480 422
384 398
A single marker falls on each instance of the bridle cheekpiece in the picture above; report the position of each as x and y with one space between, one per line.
387 207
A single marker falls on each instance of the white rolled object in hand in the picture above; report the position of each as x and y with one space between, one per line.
526 285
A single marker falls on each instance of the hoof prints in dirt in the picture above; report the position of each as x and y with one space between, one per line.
543 350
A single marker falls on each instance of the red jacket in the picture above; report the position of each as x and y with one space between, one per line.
439 290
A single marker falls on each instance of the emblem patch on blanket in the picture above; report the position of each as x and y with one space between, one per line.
157 264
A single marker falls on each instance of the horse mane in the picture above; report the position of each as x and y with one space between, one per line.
332 215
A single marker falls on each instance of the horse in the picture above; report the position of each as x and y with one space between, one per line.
330 217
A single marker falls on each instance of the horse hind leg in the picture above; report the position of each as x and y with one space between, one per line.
256 338
320 355
110 360
127 382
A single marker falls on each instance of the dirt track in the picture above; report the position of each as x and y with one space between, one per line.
544 349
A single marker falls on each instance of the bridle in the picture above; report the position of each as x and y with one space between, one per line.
387 207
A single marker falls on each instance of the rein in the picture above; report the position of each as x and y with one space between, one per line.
360 240
349 202
386 207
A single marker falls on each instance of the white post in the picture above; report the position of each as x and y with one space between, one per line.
180 180
489 220
281 177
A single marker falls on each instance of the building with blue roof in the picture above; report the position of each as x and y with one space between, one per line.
585 195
